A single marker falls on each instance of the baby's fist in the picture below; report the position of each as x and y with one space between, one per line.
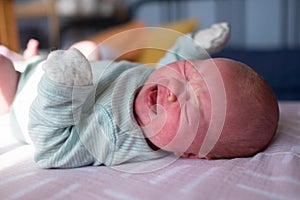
68 67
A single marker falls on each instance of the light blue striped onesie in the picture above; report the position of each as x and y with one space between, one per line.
74 126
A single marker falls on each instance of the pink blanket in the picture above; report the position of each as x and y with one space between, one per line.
271 174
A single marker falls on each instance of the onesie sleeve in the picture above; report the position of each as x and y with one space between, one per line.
183 49
52 126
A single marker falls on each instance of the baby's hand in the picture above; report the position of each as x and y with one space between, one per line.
187 155
68 67
213 39
192 156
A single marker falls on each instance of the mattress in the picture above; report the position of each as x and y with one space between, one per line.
271 174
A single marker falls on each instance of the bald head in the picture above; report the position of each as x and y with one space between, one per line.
251 111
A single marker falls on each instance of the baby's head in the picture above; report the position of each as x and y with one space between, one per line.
215 108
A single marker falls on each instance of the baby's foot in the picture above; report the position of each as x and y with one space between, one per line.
31 49
214 38
88 49
10 54
68 67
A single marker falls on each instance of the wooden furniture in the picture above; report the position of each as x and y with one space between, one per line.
10 12
39 9
8 27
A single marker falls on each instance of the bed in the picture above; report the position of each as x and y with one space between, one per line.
271 174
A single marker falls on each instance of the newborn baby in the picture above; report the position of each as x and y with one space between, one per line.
213 108
104 112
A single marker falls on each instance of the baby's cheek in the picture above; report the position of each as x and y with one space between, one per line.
166 135
169 129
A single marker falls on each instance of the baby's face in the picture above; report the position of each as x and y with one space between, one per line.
215 108
172 106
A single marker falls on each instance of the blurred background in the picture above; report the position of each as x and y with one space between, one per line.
256 24
265 33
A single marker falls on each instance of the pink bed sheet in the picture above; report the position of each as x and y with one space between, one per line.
271 174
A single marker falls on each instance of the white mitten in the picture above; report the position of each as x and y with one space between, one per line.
214 38
68 67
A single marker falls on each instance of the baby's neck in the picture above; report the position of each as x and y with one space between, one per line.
151 145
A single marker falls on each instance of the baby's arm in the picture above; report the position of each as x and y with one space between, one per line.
199 45
52 122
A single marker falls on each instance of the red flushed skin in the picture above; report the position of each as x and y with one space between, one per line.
251 108
167 101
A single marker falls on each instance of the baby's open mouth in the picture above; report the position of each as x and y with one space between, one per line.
152 99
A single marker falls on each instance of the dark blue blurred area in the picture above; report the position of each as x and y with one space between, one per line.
280 68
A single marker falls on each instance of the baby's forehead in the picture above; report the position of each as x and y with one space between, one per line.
189 70
185 68
196 70
208 73
190 73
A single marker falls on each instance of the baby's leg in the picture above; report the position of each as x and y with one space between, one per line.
30 51
8 84
10 54
92 51
88 49
9 77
